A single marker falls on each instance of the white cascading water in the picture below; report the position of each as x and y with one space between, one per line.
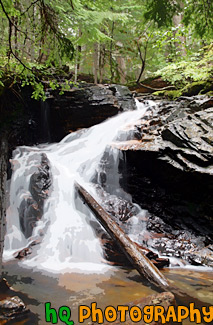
68 241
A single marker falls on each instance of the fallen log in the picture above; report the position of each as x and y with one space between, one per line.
134 254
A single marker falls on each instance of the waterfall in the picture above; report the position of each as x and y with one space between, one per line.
68 242
45 120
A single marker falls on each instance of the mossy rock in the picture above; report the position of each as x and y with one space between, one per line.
170 94
208 87
209 93
197 87
160 93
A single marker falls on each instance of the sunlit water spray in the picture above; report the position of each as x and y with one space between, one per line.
68 240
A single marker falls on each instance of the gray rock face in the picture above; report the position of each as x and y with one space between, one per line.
169 168
31 208
124 97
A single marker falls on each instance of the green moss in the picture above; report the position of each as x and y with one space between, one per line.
209 93
208 87
173 94
197 87
170 94
159 93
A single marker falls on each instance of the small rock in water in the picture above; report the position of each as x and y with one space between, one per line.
203 256
12 308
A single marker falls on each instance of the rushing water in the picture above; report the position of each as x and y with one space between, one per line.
68 240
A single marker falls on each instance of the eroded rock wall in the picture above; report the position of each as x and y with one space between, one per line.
169 168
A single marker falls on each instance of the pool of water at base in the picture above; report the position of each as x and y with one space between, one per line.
115 287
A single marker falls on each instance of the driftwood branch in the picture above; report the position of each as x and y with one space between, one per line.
134 254
157 89
143 59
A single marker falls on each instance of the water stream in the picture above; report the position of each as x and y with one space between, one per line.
68 240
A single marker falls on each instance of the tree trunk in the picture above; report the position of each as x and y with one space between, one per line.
101 62
143 59
3 179
122 69
141 72
95 63
134 254
78 58
110 54
181 46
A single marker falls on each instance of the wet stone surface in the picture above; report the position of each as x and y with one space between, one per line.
31 208
12 308
153 234
168 167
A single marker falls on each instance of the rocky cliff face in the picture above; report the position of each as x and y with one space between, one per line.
31 122
86 106
169 168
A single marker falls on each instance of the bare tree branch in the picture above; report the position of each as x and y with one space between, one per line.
11 22
143 59
9 39
32 4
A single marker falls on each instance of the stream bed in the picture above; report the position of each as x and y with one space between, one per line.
114 287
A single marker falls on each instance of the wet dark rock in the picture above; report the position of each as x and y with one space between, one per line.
40 181
12 308
203 256
124 97
32 122
152 233
86 106
170 170
31 207
123 212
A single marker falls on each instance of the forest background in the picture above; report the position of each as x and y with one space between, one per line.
110 41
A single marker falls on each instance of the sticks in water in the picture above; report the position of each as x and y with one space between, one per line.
140 262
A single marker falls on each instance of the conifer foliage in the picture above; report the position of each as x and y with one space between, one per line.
113 41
